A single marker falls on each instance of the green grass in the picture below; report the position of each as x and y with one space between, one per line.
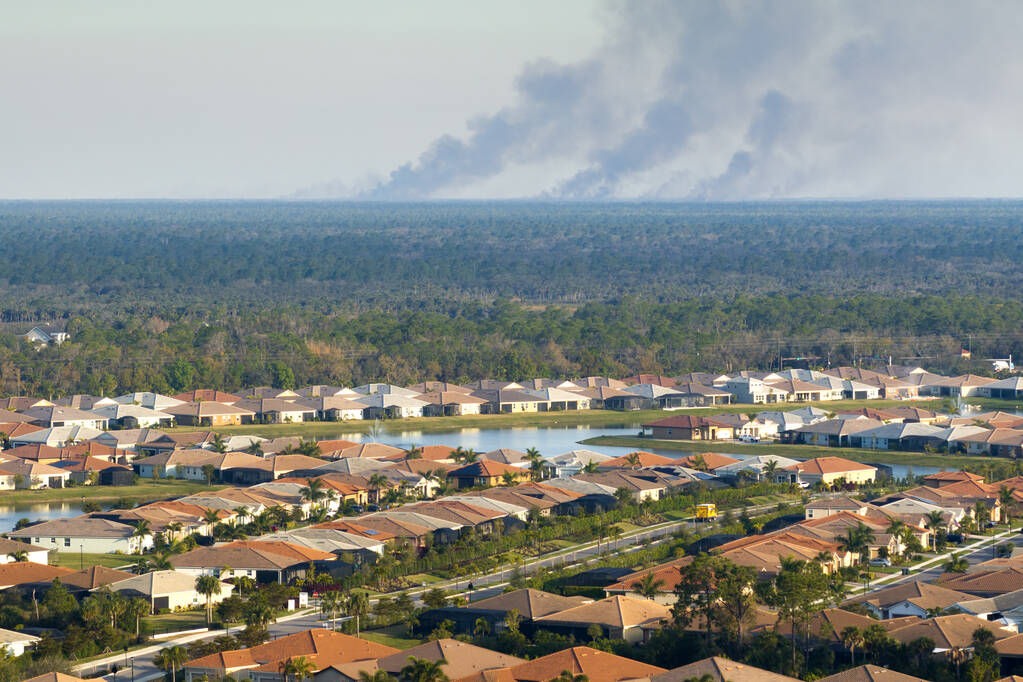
391 636
174 622
146 490
76 561
797 451
420 578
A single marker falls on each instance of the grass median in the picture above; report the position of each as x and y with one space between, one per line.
144 491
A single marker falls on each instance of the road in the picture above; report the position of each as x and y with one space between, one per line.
137 665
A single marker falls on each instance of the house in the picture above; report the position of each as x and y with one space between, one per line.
558 400
91 577
460 659
57 436
1006 610
210 413
690 427
619 617
278 411
148 399
572 462
943 478
652 394
437 387
986 582
832 432
265 562
177 464
166 590
207 395
487 473
451 403
22 473
948 632
827 471
515 458
755 391
270 392
717 669
529 603
391 406
963 386
106 473
334 408
84 401
828 506
507 401
84 534
323 648
16 643
803 391
594 665
913 598
47 334
899 436
55 677
666 575
15 573
693 395
56 415
640 459
126 442
38 555
764 553
654 379
130 416
1005 389
755 467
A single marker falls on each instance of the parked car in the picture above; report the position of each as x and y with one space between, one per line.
881 562
373 507
954 537
749 439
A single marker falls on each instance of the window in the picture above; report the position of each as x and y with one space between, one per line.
53 541
67 542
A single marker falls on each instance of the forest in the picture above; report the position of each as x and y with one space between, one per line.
169 296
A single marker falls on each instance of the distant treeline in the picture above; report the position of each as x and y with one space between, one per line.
180 349
136 257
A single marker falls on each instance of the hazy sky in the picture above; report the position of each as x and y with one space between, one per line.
465 99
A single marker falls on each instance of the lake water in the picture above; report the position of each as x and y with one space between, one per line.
549 440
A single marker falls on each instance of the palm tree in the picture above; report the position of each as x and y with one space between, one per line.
313 491
160 562
1005 498
309 448
173 529
566 676
414 452
330 603
18 555
141 565
591 467
377 676
376 482
142 530
424 670
170 659
211 517
770 466
208 472
632 459
648 586
357 606
852 637
259 615
508 478
255 449
469 456
857 540
934 521
897 528
207 586
219 445
134 609
956 564
297 668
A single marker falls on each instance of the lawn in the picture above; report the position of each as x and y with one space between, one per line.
77 561
797 451
176 622
391 636
144 491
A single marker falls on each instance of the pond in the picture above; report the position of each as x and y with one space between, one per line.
549 440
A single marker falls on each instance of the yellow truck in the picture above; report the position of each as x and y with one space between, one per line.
706 512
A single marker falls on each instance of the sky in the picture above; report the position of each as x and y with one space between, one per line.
460 99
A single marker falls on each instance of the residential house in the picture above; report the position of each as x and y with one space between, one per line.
756 468
84 534
619 617
948 632
572 462
963 386
693 395
54 333
599 382
652 379
210 413
451 403
28 573
278 410
486 473
985 582
827 471
717 669
335 408
437 387
22 473
14 643
172 590
1005 389
666 576
392 406
594 665
207 395
832 432
148 399
804 391
913 598
132 416
126 442
828 506
84 402
106 473
384 389
530 604
263 561
507 401
755 391
515 458
38 555
56 415
641 459
57 436
690 427
558 400
604 397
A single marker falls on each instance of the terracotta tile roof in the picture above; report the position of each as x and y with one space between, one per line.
485 468
948 631
206 395
14 429
720 670
205 408
829 465
646 459
667 573
21 572
870 673
357 529
249 554
433 453
953 476
375 450
985 581
399 527
712 460
913 590
323 647
530 603
56 677
462 658
655 379
94 576
686 421
829 623
617 611
598 666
